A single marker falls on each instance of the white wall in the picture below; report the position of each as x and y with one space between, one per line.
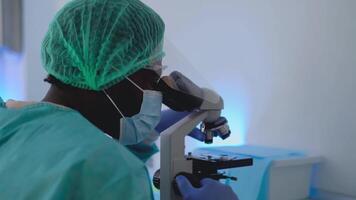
37 16
285 68
290 67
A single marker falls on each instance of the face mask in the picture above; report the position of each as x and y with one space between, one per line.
141 126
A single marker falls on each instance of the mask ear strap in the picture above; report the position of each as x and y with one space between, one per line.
128 80
134 83
113 103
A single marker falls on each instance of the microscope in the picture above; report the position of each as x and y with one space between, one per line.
205 106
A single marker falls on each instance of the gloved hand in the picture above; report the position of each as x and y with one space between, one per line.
170 117
210 190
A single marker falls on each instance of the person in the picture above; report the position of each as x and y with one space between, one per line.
91 134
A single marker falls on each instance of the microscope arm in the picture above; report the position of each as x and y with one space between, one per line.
173 158
170 117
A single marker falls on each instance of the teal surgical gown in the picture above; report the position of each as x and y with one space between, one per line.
50 152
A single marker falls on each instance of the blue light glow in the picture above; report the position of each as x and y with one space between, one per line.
11 75
235 111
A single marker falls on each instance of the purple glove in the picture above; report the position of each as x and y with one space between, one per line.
210 190
170 117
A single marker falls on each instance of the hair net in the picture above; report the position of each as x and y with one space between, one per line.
94 44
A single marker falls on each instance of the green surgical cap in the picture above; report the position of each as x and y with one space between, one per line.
94 44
